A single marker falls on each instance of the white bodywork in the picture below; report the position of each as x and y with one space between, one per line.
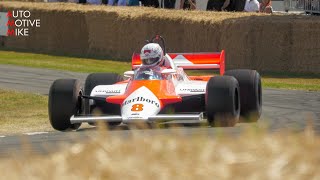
147 104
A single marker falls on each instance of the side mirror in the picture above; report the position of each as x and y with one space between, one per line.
168 71
128 74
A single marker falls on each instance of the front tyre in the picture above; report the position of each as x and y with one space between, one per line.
222 101
64 102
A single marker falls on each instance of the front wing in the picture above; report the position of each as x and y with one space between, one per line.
158 118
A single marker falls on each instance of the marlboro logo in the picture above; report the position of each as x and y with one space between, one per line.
141 99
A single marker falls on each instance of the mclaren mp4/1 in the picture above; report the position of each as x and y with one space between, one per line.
159 96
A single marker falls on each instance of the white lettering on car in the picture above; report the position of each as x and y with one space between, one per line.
107 91
193 90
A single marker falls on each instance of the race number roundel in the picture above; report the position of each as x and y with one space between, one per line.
137 107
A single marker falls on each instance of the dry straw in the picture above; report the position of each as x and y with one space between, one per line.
173 154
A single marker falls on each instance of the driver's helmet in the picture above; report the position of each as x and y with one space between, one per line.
151 55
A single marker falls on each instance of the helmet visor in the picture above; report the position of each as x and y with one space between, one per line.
150 61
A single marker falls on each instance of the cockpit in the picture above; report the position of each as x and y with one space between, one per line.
147 74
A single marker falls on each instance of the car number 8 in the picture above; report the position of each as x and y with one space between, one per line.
137 107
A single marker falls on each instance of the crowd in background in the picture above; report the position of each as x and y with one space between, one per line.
212 5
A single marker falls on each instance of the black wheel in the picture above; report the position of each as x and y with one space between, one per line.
94 80
250 93
64 102
222 101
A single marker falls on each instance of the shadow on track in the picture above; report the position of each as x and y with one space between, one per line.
144 126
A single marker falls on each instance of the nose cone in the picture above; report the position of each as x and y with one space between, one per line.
140 104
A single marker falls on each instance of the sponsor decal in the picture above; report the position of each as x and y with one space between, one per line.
19 23
147 51
192 90
141 99
108 91
148 72
136 117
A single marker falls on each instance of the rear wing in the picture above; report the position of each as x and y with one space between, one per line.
192 61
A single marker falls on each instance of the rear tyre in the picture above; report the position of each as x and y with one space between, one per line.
64 101
250 93
94 80
222 101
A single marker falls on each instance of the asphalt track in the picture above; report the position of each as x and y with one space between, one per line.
282 110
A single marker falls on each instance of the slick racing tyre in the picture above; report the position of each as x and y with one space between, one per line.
250 93
94 80
64 101
222 101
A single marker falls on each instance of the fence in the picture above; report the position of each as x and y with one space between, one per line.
312 6
309 6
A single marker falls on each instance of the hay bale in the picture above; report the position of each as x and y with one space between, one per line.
288 43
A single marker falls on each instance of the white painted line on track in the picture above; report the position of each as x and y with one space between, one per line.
35 133
2 136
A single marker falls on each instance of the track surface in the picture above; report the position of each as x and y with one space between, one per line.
282 109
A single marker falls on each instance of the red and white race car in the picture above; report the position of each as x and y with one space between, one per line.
157 96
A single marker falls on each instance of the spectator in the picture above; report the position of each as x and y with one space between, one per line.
122 2
232 5
112 2
94 1
188 4
220 5
239 5
265 6
133 3
251 6
154 3
169 4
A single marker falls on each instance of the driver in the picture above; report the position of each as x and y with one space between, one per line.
152 62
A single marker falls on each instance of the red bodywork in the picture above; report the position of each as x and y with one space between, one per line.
216 60
164 89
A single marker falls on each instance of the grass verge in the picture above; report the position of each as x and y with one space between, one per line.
23 112
62 63
310 82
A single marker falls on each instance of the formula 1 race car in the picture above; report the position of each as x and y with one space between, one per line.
159 96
